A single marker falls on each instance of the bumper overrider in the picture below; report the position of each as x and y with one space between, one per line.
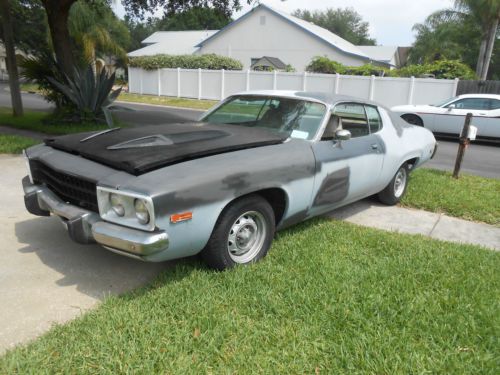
87 227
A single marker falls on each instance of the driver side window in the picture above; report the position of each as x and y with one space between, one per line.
471 103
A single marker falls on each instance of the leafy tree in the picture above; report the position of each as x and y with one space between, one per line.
487 14
58 15
467 32
139 30
97 31
195 19
344 22
447 34
29 24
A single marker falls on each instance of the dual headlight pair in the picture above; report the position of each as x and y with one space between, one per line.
126 208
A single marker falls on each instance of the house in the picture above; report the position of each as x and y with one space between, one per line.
172 43
268 63
261 32
394 56
265 31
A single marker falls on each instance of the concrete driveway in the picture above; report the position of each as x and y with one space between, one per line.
45 278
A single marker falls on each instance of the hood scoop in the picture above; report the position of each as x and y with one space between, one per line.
172 139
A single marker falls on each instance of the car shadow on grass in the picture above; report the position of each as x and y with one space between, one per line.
93 270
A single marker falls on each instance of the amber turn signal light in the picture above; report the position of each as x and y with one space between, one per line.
176 218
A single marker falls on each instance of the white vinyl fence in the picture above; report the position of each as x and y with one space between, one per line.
218 84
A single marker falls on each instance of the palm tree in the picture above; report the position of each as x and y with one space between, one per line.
91 27
487 14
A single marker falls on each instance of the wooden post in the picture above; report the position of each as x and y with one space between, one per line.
464 142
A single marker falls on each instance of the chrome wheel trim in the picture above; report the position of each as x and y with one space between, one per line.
246 237
400 182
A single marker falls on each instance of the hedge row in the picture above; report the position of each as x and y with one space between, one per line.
447 69
209 61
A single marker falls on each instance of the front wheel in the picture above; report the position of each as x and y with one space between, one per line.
396 189
242 235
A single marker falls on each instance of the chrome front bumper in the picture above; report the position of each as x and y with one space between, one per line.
87 226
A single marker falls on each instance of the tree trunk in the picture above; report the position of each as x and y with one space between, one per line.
489 50
480 57
8 35
57 17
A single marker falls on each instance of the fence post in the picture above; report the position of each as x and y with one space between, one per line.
372 87
140 77
178 82
410 91
159 81
304 81
248 80
337 83
222 84
275 79
199 83
129 79
455 87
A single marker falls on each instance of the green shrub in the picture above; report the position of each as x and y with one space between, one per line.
209 61
446 69
366 70
322 64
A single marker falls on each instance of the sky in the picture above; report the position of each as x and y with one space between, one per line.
391 21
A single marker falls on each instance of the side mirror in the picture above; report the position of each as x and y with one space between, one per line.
343 135
451 106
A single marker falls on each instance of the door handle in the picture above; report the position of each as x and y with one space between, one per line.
374 146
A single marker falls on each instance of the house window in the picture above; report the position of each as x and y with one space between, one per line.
262 20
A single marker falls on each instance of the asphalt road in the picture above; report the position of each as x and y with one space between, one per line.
480 159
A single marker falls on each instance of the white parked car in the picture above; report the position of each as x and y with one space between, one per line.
448 117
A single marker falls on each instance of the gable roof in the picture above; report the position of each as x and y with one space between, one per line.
271 61
318 32
172 42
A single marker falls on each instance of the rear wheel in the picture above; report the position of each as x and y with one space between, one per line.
243 234
413 119
396 189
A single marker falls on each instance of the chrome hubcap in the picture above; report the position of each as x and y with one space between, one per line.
400 183
246 237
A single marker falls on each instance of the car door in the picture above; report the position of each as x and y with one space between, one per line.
347 170
452 117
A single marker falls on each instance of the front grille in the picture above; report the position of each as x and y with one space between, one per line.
75 190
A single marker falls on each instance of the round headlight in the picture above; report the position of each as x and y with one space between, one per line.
116 204
141 211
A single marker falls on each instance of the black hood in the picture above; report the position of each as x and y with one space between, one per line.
143 149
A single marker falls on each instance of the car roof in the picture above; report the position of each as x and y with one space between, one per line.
487 96
323 97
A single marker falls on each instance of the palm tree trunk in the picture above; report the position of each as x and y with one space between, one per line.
480 57
8 38
489 50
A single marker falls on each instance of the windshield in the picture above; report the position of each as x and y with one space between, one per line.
299 118
442 103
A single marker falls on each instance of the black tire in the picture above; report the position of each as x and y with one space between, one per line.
256 228
413 119
393 192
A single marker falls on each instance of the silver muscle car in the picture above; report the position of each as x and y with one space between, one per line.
256 163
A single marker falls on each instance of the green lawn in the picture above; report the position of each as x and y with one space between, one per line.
470 197
331 297
34 120
14 144
166 100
